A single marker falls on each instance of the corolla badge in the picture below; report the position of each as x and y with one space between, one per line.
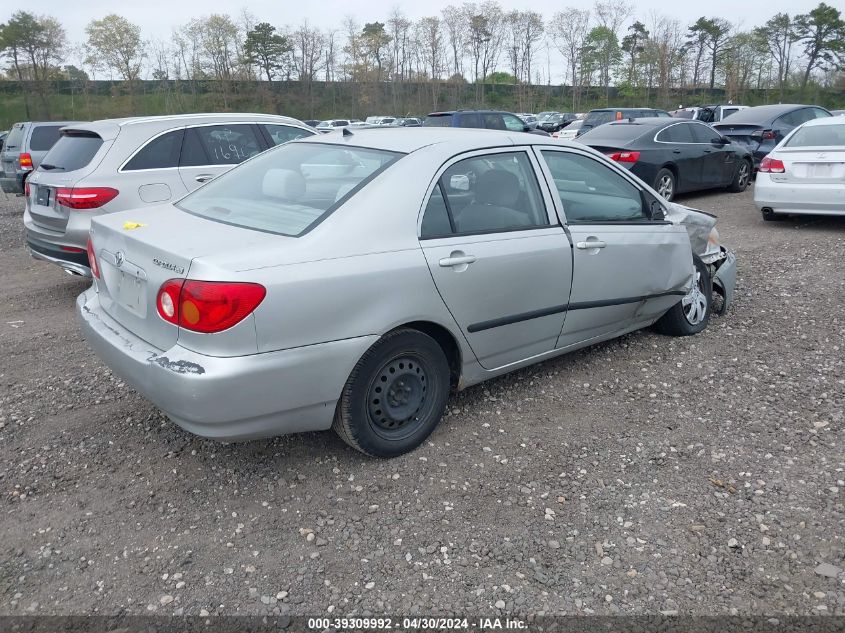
168 266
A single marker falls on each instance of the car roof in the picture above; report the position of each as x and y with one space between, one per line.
407 140
109 128
762 113
828 120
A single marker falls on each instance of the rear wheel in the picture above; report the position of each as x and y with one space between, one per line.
395 395
692 313
741 178
664 183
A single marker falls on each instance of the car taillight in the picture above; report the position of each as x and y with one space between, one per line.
764 135
207 306
772 166
85 197
625 157
92 259
26 189
26 160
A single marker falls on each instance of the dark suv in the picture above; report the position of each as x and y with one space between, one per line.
486 119
600 116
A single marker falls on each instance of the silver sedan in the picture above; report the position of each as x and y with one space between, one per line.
352 280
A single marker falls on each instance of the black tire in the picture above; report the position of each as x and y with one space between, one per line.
681 319
665 184
742 177
395 396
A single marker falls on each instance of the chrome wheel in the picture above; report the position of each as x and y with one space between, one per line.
666 186
743 176
695 302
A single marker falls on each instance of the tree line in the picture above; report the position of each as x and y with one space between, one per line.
462 50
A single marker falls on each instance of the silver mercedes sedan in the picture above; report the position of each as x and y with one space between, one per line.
352 280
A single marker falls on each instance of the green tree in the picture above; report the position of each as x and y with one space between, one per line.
823 32
603 54
117 44
633 45
266 49
376 40
779 35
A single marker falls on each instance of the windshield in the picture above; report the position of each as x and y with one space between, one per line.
289 189
598 118
71 152
684 114
818 136
444 120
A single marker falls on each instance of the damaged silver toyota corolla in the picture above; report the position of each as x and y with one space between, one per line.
352 280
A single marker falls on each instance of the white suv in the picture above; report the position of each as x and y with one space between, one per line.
119 164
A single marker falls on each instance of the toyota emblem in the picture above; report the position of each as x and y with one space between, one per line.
119 258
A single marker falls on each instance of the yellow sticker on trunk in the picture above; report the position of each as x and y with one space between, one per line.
128 226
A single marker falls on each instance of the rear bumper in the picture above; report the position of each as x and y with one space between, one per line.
48 244
796 198
73 262
233 398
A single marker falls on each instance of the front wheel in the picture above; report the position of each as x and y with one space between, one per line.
395 395
741 178
692 313
664 184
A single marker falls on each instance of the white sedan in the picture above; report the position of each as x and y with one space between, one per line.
805 173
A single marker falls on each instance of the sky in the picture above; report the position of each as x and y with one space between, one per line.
158 17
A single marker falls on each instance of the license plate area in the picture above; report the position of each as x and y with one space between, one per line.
42 196
126 283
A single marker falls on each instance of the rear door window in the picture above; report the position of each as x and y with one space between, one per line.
470 120
680 133
159 153
43 137
219 145
283 133
493 121
71 152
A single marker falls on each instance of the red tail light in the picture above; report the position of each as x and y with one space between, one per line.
625 157
207 306
26 160
764 135
92 259
26 188
772 166
85 197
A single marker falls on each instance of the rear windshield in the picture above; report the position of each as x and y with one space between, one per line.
289 189
444 120
71 152
616 133
818 136
684 114
13 141
44 137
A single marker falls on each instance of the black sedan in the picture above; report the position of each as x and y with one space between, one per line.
673 156
761 128
555 122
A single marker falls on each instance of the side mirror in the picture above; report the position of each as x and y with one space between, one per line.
720 140
526 128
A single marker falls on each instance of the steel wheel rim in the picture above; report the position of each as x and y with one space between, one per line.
398 397
695 302
665 186
743 175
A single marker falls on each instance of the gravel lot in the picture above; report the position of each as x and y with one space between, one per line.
699 476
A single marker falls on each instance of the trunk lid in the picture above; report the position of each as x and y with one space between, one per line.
138 253
811 166
742 135
75 155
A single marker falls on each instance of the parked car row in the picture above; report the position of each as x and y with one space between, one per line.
222 247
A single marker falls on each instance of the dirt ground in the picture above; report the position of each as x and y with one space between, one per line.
700 476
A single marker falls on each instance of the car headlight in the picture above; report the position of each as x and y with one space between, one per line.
713 238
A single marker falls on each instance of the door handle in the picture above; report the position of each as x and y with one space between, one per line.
676 151
449 262
204 177
590 244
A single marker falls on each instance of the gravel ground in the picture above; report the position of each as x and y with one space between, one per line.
648 474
